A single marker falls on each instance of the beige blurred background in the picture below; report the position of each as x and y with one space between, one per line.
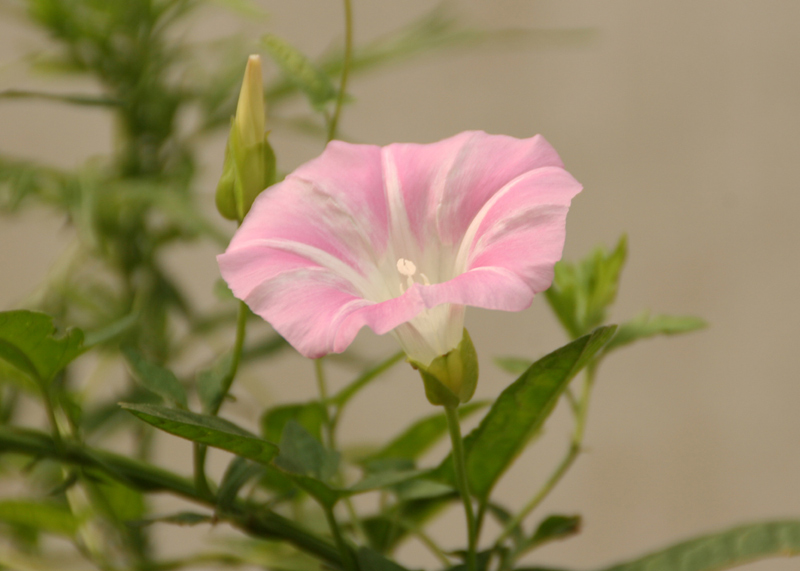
682 120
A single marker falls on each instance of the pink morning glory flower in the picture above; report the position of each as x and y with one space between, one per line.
401 238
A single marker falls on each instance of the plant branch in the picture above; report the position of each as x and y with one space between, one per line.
348 55
459 462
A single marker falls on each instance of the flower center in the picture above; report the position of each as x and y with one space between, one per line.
408 269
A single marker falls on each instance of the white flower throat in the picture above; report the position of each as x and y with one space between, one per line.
409 269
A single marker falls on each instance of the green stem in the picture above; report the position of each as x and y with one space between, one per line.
344 549
459 463
581 408
348 54
200 450
238 345
250 518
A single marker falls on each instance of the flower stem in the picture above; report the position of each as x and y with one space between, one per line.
348 54
460 465
199 449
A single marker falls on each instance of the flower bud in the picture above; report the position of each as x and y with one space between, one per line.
451 379
249 165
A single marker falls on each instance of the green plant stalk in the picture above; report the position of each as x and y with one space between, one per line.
250 518
200 450
344 550
330 432
348 55
581 408
460 465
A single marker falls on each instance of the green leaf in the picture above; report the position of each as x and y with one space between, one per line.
205 429
27 341
308 463
384 479
310 415
49 517
210 382
723 550
371 560
156 378
300 71
420 436
343 396
180 518
520 411
644 326
513 365
581 293
239 472
553 528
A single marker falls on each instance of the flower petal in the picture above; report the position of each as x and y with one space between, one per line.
445 184
333 203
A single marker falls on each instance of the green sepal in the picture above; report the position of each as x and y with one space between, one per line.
246 172
451 378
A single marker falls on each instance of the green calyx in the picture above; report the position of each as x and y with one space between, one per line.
451 378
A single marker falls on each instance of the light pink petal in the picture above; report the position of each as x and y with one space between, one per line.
523 228
446 183
318 313
334 203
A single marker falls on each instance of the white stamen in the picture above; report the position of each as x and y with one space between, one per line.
425 279
406 267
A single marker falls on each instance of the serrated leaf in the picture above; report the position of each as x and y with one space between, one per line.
308 463
422 435
310 415
644 326
520 411
28 341
48 517
300 71
155 378
723 550
206 429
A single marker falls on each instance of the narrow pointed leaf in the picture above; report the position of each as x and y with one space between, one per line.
28 341
513 365
644 326
380 480
723 550
342 397
239 472
520 411
156 378
300 71
553 528
422 435
371 560
205 429
210 382
48 517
